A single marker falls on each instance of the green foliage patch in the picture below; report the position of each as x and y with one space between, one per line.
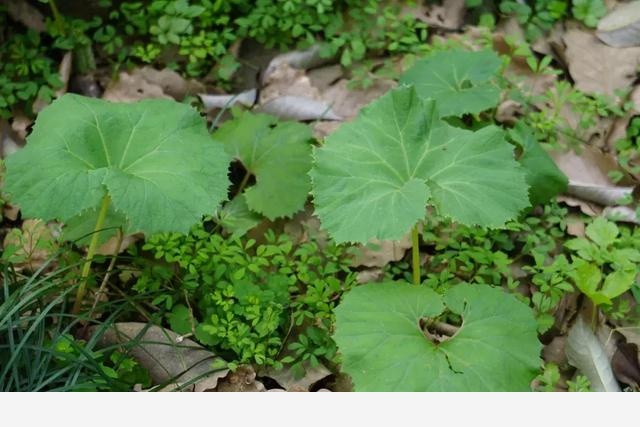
277 154
495 348
374 177
153 159
265 303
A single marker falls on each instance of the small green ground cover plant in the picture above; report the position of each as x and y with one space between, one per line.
267 303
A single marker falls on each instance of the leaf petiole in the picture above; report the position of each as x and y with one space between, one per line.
93 245
415 254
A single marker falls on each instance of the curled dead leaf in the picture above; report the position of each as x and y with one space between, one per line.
214 102
621 26
298 59
589 60
172 360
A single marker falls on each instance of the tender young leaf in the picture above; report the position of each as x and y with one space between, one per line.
587 277
374 176
459 81
278 154
384 349
602 232
154 158
236 217
618 282
543 176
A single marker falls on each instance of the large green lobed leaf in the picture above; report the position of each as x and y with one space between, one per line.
383 347
460 81
154 158
374 176
278 154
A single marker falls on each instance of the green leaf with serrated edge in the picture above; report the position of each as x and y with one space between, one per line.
374 176
278 154
154 158
544 178
237 218
602 232
459 81
587 277
618 282
384 349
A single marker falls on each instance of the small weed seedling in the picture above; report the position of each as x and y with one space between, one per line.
144 167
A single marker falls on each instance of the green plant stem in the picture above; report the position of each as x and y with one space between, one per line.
93 245
107 275
243 183
415 254
56 16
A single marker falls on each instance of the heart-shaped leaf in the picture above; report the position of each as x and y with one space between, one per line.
459 81
374 176
278 154
378 331
153 158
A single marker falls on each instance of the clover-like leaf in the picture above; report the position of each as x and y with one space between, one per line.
374 176
459 81
383 346
278 154
154 159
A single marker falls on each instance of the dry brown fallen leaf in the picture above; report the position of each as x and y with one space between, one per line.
242 379
32 245
447 16
289 94
575 225
286 379
147 82
109 247
621 26
554 352
297 59
172 83
215 102
348 102
20 125
169 358
132 88
370 275
8 140
590 167
608 195
379 253
626 364
587 353
596 67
